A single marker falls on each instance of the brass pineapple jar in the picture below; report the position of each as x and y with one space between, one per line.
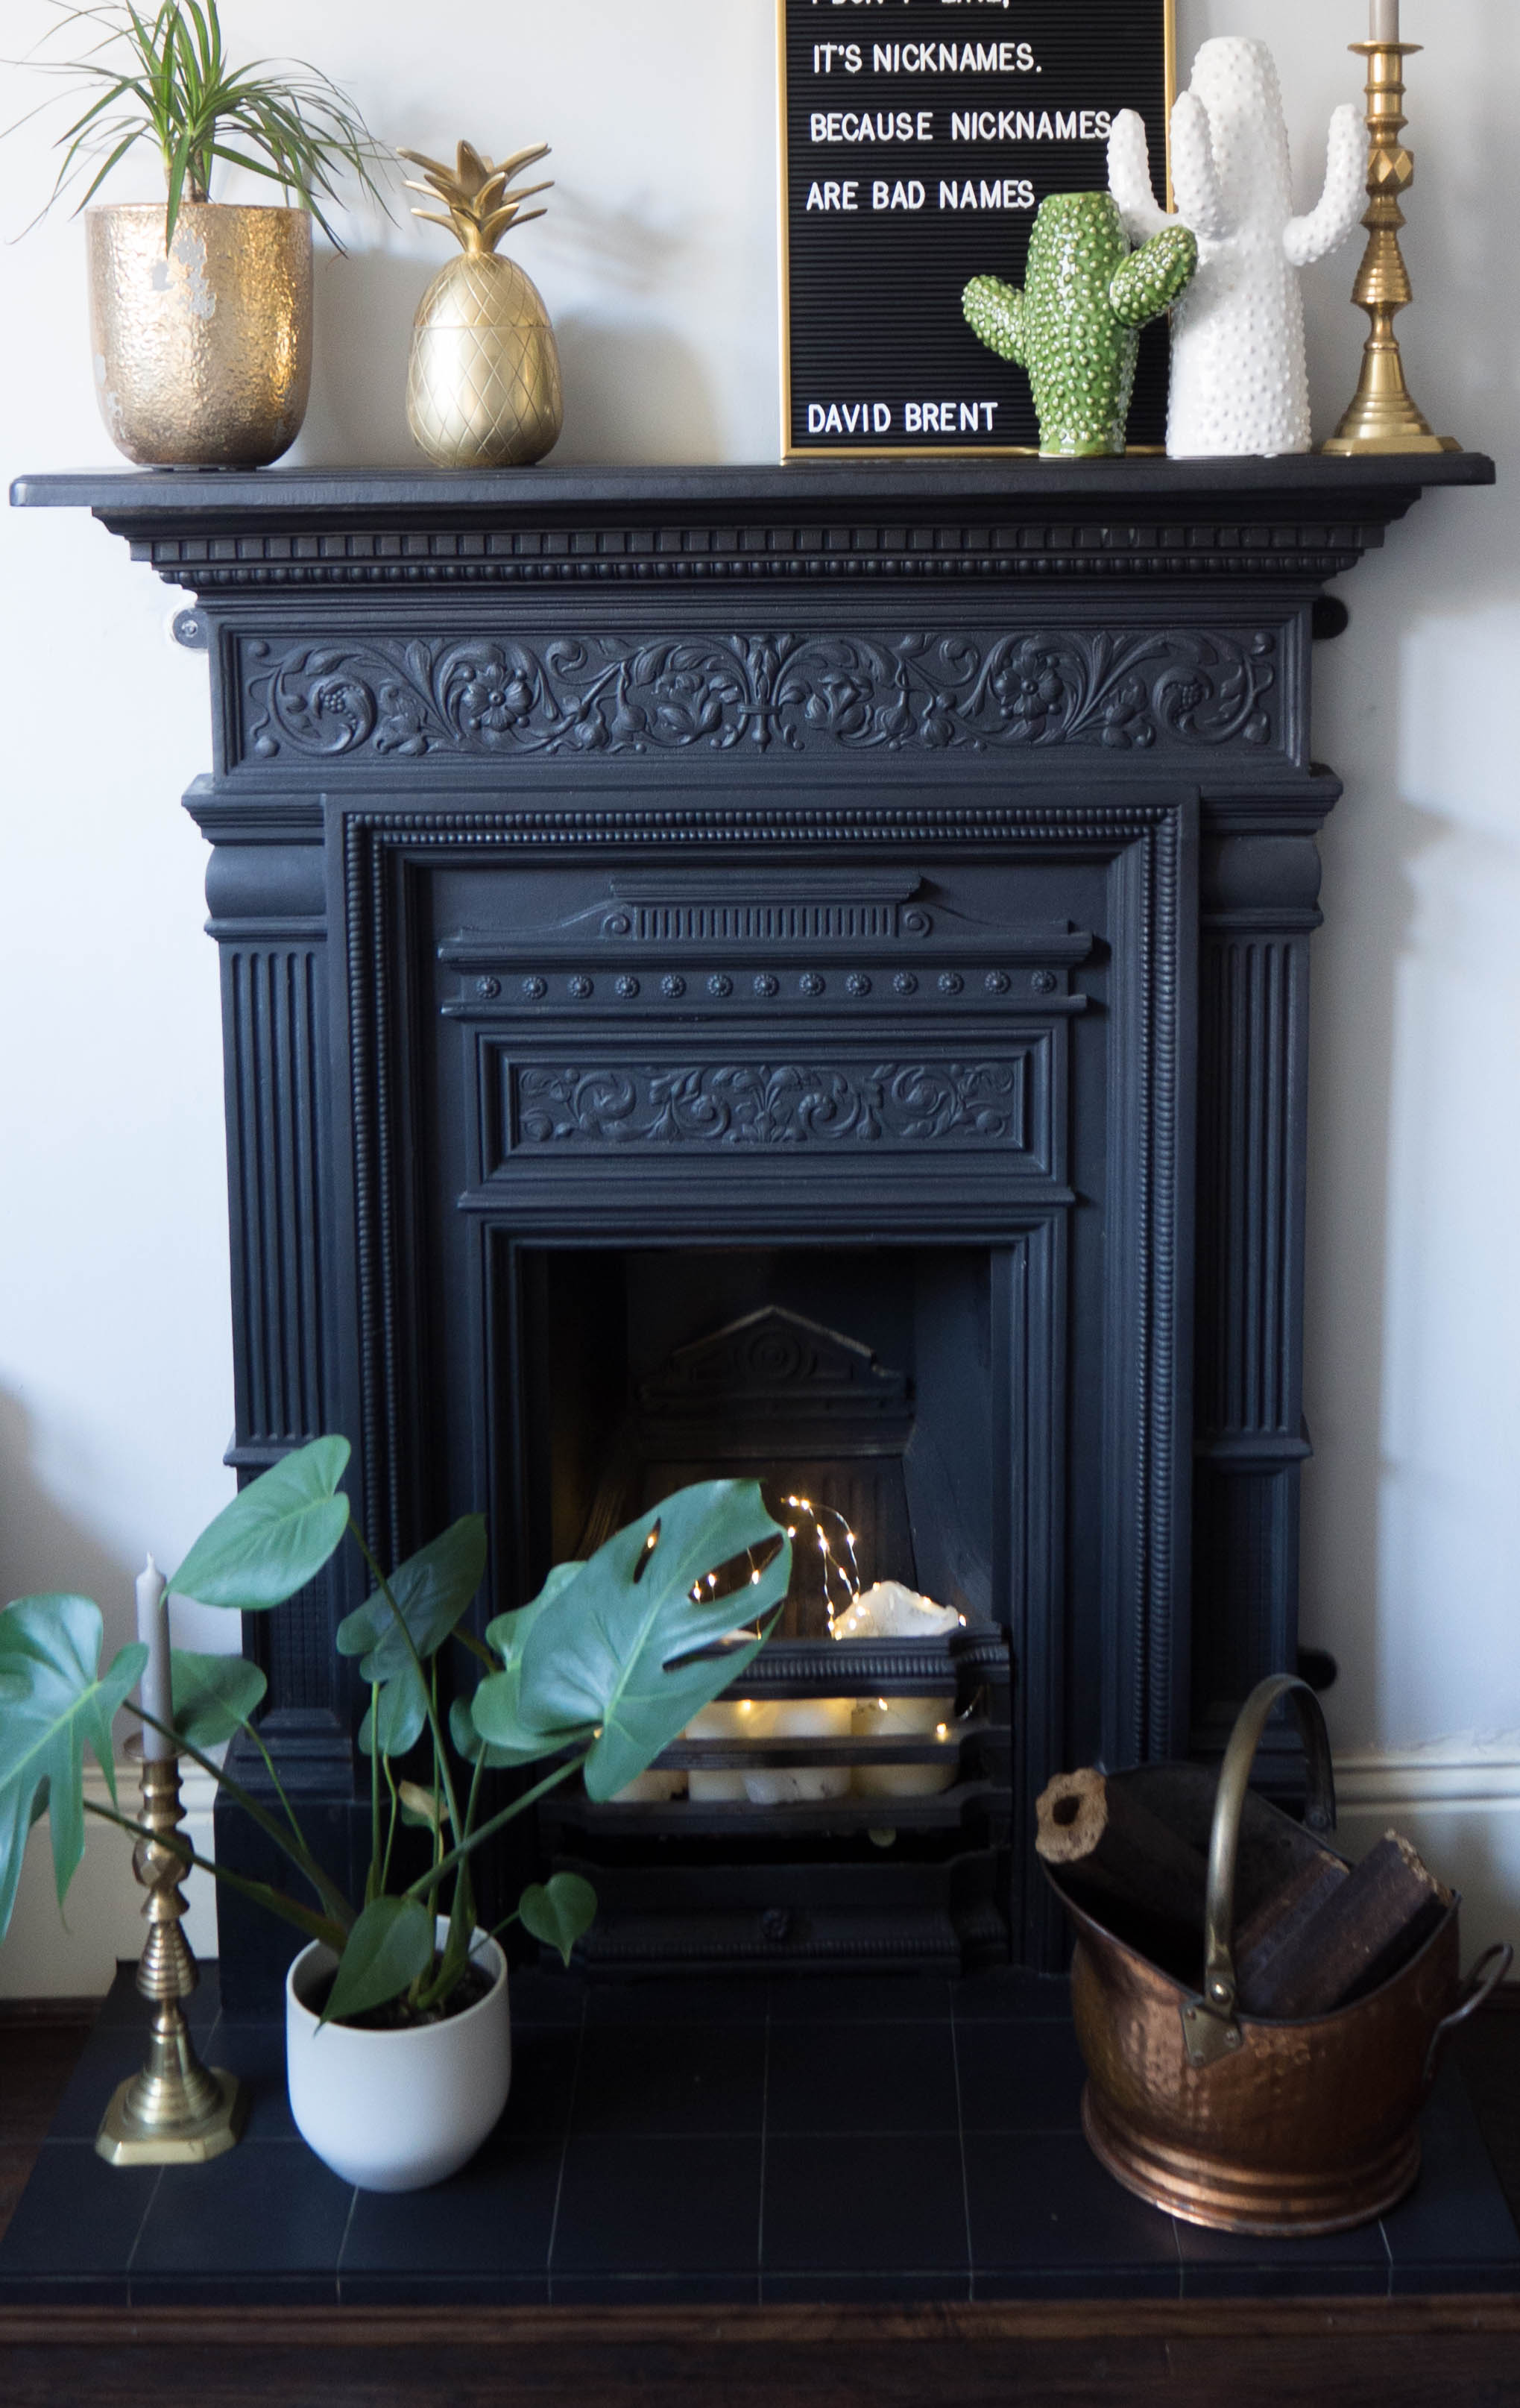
202 352
483 388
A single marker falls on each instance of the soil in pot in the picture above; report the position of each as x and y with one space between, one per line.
394 2017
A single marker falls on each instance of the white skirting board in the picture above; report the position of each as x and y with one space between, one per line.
1458 1801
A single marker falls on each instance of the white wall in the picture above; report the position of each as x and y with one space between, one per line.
659 261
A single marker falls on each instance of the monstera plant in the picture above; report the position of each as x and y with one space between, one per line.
593 1678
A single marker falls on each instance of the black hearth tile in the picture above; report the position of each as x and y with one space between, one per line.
1043 2200
860 1998
864 2205
718 2003
655 2291
671 2078
495 2216
1410 2280
1279 2281
78 2216
1008 1993
1456 2215
674 2208
111 2054
1019 2077
271 2208
256 2054
53 2292
1200 2245
543 2079
443 2290
538 1996
1030 2283
851 2289
123 2003
256 2290
887 2077
1257 2266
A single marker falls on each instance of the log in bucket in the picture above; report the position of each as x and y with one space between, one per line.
1232 2121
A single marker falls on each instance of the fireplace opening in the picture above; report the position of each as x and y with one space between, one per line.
861 1379
850 1797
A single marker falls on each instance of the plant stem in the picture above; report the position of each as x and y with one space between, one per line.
279 1787
461 1913
316 1927
326 1889
396 1810
427 1883
384 1587
374 1873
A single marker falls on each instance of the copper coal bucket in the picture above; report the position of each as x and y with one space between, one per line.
1225 2120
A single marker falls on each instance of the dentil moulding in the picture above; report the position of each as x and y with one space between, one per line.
1239 380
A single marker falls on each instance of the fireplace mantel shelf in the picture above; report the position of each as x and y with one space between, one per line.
182 494
1004 521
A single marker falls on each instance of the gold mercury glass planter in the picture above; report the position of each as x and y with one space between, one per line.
203 355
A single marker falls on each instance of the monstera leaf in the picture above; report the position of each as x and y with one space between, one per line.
54 1701
558 1911
492 1723
432 1590
214 1696
612 1647
275 1536
389 1947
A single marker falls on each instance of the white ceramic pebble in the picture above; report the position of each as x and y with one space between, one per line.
1240 380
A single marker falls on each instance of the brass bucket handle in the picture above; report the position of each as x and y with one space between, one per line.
1209 2030
1484 1980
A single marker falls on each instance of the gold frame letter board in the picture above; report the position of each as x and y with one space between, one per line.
918 138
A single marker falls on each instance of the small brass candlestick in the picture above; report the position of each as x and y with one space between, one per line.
1383 416
174 2112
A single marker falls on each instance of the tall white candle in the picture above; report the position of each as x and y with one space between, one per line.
1384 25
906 1718
804 1784
156 1691
737 1718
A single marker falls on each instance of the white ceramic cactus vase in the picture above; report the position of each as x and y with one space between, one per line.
1239 380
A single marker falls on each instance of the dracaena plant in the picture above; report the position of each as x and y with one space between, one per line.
593 1678
164 76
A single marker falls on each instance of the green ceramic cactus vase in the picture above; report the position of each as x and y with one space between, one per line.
1075 327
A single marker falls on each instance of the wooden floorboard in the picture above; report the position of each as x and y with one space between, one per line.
1212 2354
39 2047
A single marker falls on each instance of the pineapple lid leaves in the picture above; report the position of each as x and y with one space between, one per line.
480 207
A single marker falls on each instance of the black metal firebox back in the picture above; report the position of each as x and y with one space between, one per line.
832 943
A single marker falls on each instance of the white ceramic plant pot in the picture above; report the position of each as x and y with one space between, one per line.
398 2110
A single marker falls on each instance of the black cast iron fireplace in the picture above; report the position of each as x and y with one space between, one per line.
800 972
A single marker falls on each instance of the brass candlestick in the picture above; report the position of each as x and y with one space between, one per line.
174 2112
1383 416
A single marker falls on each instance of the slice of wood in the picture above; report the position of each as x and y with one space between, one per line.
1358 1936
1268 1939
1098 1837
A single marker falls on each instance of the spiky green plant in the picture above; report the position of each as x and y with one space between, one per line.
163 75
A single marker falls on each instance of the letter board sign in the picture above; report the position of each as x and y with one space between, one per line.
918 139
